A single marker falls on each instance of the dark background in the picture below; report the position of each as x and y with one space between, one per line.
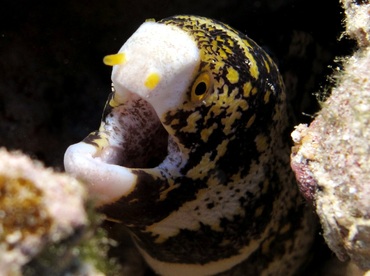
53 84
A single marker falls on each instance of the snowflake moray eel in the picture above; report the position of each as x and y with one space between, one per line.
191 154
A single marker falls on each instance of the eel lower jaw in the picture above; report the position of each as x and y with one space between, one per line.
106 182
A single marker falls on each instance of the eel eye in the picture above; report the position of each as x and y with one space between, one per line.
201 86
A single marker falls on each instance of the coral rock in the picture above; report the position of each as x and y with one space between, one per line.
331 157
38 207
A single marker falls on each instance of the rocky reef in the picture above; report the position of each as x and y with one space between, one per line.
46 225
331 157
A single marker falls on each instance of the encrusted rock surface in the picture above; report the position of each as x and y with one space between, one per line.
43 220
331 157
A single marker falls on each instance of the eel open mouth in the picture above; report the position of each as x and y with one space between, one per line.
135 135
131 136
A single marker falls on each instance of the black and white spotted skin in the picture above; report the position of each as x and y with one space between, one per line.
191 154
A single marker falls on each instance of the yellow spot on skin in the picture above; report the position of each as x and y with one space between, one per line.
243 104
247 43
191 126
175 121
163 194
254 91
227 50
205 133
251 120
225 95
219 65
232 75
247 87
115 59
214 45
152 80
266 98
201 170
222 54
230 120
220 39
221 149
254 71
267 66
261 143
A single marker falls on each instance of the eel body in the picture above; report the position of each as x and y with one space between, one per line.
191 154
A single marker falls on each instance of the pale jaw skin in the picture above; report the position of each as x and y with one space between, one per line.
105 181
163 51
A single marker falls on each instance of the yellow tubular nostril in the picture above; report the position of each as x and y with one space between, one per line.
115 59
